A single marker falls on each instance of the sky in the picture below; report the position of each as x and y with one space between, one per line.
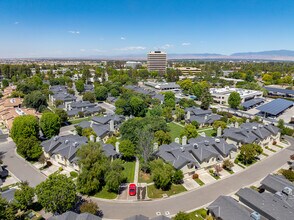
77 28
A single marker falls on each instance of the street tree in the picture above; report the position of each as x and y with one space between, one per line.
62 115
57 194
217 124
29 148
169 99
161 174
234 100
24 126
114 177
50 124
248 153
24 196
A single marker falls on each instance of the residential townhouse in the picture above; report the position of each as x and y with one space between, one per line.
60 93
248 133
61 150
73 109
199 153
202 117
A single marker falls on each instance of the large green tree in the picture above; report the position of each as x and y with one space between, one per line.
89 96
169 99
101 93
24 196
162 137
189 131
24 126
206 99
29 148
57 194
50 124
94 165
128 149
7 210
114 177
80 87
248 152
62 115
36 100
234 100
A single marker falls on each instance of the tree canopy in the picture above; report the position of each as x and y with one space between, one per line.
234 100
57 194
50 124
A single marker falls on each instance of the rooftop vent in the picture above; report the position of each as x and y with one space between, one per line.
66 141
217 140
255 216
195 146
206 143
56 138
287 190
75 144
254 128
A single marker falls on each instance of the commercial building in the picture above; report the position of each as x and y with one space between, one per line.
133 64
156 61
163 86
221 95
189 70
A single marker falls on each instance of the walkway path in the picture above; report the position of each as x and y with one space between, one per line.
137 167
198 197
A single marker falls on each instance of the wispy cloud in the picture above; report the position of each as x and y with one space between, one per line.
16 23
166 46
98 50
131 48
122 38
82 50
186 44
74 32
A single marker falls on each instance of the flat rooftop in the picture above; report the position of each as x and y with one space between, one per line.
228 91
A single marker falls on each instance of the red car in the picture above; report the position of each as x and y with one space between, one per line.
132 189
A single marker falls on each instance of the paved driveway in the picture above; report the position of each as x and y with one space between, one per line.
22 169
201 196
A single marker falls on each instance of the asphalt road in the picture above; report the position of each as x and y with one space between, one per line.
199 197
22 169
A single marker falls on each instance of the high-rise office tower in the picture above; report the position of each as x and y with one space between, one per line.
156 61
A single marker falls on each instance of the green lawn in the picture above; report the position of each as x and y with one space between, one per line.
199 214
214 176
209 132
279 146
104 194
129 171
78 120
154 193
175 130
199 181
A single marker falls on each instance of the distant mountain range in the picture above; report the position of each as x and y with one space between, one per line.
279 55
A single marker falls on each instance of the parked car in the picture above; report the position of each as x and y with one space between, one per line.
132 189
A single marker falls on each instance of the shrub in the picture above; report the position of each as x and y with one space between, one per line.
195 176
227 164
60 169
288 174
211 171
74 174
178 177
274 142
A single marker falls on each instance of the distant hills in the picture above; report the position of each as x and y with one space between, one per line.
288 53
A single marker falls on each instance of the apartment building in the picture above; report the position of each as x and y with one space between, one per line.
156 61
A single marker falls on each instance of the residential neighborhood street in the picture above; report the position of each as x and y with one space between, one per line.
22 169
199 197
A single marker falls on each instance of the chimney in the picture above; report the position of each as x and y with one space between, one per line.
219 131
205 117
117 147
98 139
111 125
91 124
236 124
92 138
247 120
188 115
255 216
155 147
184 140
177 140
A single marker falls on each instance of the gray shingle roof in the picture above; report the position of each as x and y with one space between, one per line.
109 150
197 150
250 132
227 208
66 146
201 116
69 215
276 183
272 206
8 194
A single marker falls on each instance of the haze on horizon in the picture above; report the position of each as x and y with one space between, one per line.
53 28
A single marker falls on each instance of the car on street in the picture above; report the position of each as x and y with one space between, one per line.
132 189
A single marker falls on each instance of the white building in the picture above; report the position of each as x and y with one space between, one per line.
156 61
221 95
133 64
